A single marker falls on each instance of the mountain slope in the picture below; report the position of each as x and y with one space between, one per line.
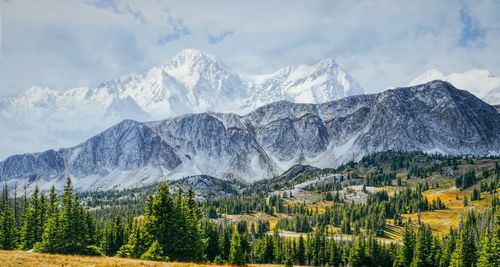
191 82
434 117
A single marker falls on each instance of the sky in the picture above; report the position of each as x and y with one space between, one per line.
63 44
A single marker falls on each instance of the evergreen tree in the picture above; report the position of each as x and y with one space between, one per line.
489 247
423 247
301 251
113 237
486 253
465 251
67 230
357 253
154 253
405 252
448 247
175 225
139 241
8 231
236 253
31 231
212 249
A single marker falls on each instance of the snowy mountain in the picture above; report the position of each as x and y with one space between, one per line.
477 81
319 83
191 82
433 117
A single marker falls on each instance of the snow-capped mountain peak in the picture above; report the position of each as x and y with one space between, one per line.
192 81
204 74
318 83
192 57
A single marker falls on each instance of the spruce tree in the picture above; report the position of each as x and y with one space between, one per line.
447 249
405 252
31 230
301 252
175 225
465 251
139 241
423 247
8 231
357 253
67 230
486 254
154 253
236 254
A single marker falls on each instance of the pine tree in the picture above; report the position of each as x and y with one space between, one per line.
225 243
8 231
4 197
154 253
160 220
447 249
406 250
52 205
213 248
67 230
486 254
31 231
301 252
423 247
236 254
193 237
465 251
357 253
113 237
175 225
139 241
489 247
52 238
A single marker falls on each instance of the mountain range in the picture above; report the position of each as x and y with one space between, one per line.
432 117
191 82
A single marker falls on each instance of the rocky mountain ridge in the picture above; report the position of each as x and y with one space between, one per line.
433 117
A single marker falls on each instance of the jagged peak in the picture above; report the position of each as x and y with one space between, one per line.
192 56
327 63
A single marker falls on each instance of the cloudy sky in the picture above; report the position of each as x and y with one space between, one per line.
63 43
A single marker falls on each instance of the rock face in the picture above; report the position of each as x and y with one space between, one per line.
191 82
433 117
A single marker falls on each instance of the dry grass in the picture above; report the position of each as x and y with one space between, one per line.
442 220
25 259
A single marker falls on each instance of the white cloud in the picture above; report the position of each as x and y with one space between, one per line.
477 81
382 43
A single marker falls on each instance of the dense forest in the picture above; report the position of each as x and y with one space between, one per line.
161 224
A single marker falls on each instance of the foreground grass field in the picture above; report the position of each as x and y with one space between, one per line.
25 259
